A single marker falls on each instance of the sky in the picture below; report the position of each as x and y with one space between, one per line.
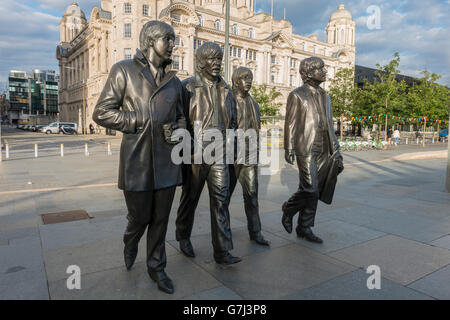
417 29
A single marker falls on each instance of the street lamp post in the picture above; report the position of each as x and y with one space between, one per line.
227 40
448 166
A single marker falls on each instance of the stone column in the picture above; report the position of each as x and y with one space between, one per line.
103 53
190 53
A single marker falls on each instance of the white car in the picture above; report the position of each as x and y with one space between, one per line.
54 127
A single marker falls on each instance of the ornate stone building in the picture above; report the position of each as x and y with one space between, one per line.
269 47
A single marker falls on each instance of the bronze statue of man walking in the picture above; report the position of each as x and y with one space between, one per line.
141 100
309 138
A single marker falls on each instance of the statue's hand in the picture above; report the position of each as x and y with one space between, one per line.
169 128
340 164
289 156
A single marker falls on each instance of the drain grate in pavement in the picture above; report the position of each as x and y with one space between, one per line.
66 216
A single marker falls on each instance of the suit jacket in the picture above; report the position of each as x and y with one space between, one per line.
199 107
302 121
132 103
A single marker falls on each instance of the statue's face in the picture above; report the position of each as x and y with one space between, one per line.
212 67
244 83
164 45
319 74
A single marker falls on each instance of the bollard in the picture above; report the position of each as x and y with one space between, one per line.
35 150
417 141
432 140
109 149
406 140
7 151
62 150
86 150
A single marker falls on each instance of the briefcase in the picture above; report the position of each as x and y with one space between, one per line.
327 192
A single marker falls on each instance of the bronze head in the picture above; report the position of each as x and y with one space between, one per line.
157 40
312 71
208 59
242 80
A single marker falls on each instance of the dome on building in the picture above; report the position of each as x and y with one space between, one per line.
341 13
74 10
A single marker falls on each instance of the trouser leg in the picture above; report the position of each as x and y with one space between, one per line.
139 209
218 186
248 178
191 192
157 229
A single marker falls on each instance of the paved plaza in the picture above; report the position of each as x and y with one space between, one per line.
390 210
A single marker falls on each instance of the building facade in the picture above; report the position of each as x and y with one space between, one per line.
268 47
33 95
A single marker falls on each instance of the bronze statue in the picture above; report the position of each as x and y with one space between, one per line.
210 102
248 118
309 138
140 99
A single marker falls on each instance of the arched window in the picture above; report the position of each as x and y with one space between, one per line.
235 29
251 33
218 25
200 18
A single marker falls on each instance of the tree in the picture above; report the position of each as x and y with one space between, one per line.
266 100
343 93
385 95
428 99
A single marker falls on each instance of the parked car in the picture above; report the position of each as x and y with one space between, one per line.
55 127
67 129
37 128
443 134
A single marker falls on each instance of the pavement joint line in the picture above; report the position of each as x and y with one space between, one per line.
58 188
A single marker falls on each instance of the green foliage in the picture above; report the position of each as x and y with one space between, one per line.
266 100
343 92
427 98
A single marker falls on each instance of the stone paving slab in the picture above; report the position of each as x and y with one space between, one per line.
219 293
389 221
72 234
443 242
436 284
92 257
22 273
243 247
121 284
278 272
400 260
335 234
353 286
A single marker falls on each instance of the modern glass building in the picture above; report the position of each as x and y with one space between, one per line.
32 94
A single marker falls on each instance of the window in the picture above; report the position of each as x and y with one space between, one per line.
274 60
127 53
176 17
176 63
239 52
217 25
177 41
127 30
291 81
251 33
127 8
197 43
303 46
234 52
145 10
315 49
235 29
273 77
200 18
